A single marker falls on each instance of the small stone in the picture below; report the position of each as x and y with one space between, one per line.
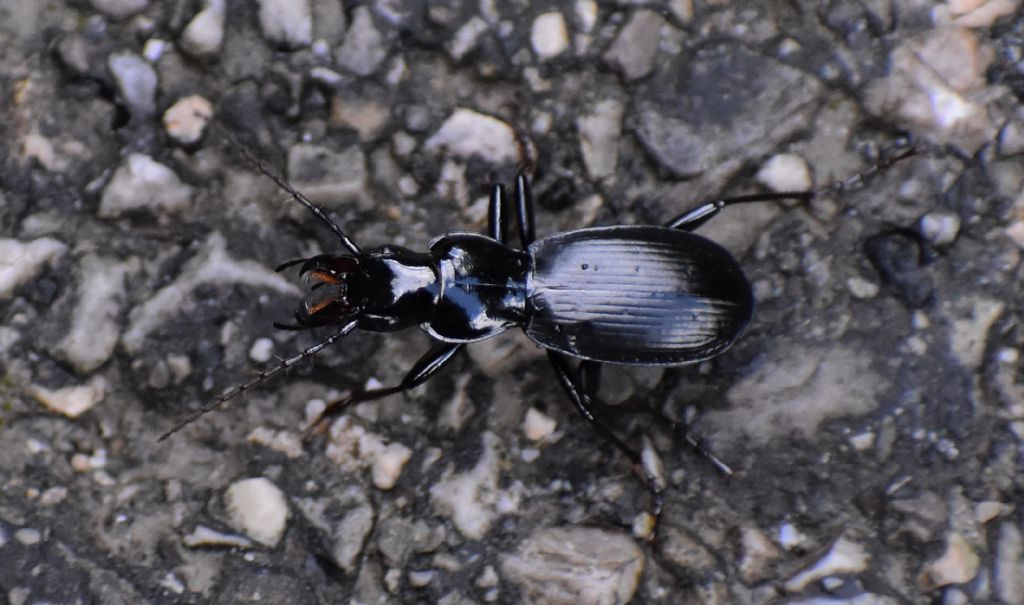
204 536
119 9
600 129
934 83
1016 233
758 555
71 401
186 120
96 320
845 557
985 15
538 426
204 34
21 262
353 447
142 184
862 441
28 536
785 172
257 508
136 81
636 46
578 566
957 565
862 288
287 22
681 9
549 36
1008 573
388 465
262 350
421 579
363 49
53 496
325 176
586 14
365 117
467 133
471 498
684 551
1011 139
940 228
466 38
285 442
971 322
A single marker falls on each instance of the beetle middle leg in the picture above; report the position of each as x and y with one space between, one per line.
423 370
695 217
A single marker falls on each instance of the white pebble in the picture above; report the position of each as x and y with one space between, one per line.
549 36
467 133
136 81
261 350
537 425
387 466
287 22
22 262
257 508
785 172
940 228
204 34
862 288
71 401
141 183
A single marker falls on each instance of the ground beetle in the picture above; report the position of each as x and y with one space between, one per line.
644 295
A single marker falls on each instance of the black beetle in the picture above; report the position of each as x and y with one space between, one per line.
642 295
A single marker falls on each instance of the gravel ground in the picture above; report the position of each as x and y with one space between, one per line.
873 411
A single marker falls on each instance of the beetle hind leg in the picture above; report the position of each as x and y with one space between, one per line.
581 388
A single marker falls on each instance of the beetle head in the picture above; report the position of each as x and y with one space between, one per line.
328 303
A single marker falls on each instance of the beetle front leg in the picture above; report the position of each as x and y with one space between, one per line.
584 398
423 370
497 224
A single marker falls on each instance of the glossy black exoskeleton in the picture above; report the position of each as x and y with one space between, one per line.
639 295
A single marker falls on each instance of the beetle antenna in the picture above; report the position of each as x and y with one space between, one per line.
861 177
259 378
295 194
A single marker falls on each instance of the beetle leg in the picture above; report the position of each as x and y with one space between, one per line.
497 223
422 371
695 217
583 399
524 211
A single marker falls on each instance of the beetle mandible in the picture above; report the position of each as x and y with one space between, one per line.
646 295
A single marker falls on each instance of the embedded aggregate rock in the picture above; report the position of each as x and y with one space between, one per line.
600 128
467 133
141 184
210 265
846 556
971 320
465 39
287 22
21 262
325 176
636 47
345 518
257 508
549 36
473 500
785 172
186 120
692 134
364 47
957 565
353 448
72 401
204 34
136 81
120 8
796 392
96 319
932 83
575 566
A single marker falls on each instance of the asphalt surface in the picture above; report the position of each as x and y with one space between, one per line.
872 413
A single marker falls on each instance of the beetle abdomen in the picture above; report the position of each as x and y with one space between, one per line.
635 294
